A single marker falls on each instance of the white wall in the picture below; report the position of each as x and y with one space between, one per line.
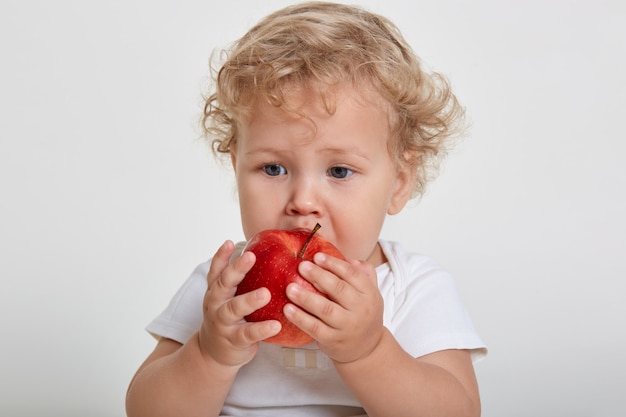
108 200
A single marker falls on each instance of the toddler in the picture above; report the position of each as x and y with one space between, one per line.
327 117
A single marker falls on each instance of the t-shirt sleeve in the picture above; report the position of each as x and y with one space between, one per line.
428 314
183 316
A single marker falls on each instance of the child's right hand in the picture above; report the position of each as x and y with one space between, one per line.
225 336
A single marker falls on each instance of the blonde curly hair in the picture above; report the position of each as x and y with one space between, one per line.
333 44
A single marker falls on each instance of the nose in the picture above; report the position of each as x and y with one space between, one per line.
304 199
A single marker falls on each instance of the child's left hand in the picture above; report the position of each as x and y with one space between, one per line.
347 325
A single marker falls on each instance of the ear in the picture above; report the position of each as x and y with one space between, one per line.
403 189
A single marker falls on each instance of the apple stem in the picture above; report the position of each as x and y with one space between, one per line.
308 239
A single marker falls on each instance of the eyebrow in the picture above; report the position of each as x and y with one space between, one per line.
331 150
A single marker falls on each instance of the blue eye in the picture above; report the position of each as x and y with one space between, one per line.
340 172
274 170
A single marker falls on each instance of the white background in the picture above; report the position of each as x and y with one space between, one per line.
108 199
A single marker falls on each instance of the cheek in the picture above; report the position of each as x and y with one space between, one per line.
258 208
250 207
357 229
250 190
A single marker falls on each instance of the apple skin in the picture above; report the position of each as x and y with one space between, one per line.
276 267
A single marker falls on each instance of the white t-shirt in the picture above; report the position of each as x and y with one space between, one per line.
422 310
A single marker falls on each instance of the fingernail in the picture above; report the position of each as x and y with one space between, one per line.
262 293
293 289
275 326
319 257
305 266
290 309
247 256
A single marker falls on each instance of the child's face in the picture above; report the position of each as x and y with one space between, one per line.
292 174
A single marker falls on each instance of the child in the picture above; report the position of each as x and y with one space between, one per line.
327 118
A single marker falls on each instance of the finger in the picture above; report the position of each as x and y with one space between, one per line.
232 275
308 323
255 332
330 283
234 310
220 261
316 305
359 275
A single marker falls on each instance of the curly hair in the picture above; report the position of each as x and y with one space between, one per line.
333 44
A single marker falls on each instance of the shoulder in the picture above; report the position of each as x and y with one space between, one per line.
413 279
408 266
423 307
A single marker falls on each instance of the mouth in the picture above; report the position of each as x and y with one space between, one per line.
311 230
306 228
301 229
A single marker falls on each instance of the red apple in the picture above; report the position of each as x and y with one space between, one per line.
278 254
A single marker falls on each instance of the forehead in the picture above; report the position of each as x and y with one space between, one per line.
313 102
342 123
